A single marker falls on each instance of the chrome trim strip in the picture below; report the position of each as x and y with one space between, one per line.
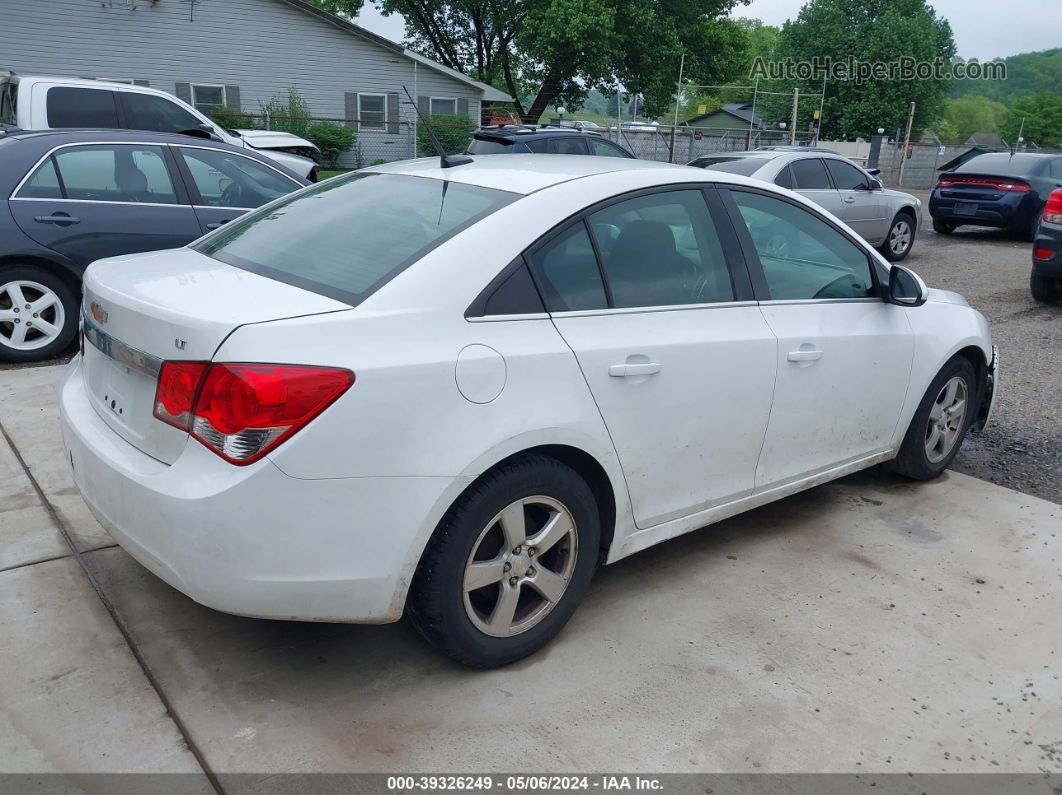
97 201
122 353
798 301
495 318
629 310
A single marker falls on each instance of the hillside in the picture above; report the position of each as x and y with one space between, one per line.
1027 73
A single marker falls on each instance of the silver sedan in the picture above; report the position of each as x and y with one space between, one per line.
887 219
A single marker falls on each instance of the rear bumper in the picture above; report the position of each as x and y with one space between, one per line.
1048 237
1014 211
252 540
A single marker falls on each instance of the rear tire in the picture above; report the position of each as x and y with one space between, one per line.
38 313
944 227
489 536
1044 290
939 425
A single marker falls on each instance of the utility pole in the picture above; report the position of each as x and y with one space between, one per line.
793 123
678 99
906 143
752 118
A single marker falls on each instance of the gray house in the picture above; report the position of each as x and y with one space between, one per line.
240 53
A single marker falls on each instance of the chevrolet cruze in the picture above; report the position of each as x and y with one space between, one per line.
452 392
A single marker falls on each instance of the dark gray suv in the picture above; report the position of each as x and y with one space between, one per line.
72 197
518 139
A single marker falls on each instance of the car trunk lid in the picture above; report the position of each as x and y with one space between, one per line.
142 310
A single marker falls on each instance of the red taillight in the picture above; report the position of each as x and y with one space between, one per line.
1043 253
175 392
993 183
242 411
1053 208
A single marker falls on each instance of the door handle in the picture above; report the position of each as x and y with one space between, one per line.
804 356
849 199
58 218
625 370
218 224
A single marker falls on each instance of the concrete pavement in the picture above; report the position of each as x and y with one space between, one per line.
869 625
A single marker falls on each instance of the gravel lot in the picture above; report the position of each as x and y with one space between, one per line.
1022 446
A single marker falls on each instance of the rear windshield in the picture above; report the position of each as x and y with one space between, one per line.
347 237
480 146
1003 163
746 166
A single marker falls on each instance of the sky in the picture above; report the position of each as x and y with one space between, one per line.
983 28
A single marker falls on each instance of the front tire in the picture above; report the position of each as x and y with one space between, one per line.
940 424
1044 290
943 227
508 564
38 314
900 239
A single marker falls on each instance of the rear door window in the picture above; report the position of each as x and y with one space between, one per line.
128 174
606 149
810 174
347 237
567 270
481 146
81 107
784 178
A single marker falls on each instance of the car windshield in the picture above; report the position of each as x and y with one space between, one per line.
1002 163
746 166
347 237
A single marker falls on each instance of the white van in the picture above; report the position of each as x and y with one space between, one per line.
42 103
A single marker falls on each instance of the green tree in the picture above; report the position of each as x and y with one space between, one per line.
548 52
341 8
964 116
874 31
452 132
287 112
1042 117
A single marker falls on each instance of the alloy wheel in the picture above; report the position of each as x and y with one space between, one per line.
900 237
31 315
520 566
946 419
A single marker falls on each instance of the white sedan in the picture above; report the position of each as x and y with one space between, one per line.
453 392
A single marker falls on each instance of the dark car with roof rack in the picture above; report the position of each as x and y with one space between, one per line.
75 196
528 139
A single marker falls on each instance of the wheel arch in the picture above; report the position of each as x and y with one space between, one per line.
67 272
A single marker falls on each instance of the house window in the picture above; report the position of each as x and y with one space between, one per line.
443 106
206 98
372 111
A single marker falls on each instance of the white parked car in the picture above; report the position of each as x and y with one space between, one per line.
43 103
887 219
453 392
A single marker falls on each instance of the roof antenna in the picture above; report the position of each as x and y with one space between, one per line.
446 161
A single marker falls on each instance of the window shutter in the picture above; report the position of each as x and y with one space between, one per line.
424 105
392 113
462 106
350 105
184 92
144 83
232 97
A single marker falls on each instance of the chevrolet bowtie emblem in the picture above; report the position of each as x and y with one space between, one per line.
99 314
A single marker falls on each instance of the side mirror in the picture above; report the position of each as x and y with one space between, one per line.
875 184
906 288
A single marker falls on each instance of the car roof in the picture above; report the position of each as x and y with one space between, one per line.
1004 162
522 173
66 135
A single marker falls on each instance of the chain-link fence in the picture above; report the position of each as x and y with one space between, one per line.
682 144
